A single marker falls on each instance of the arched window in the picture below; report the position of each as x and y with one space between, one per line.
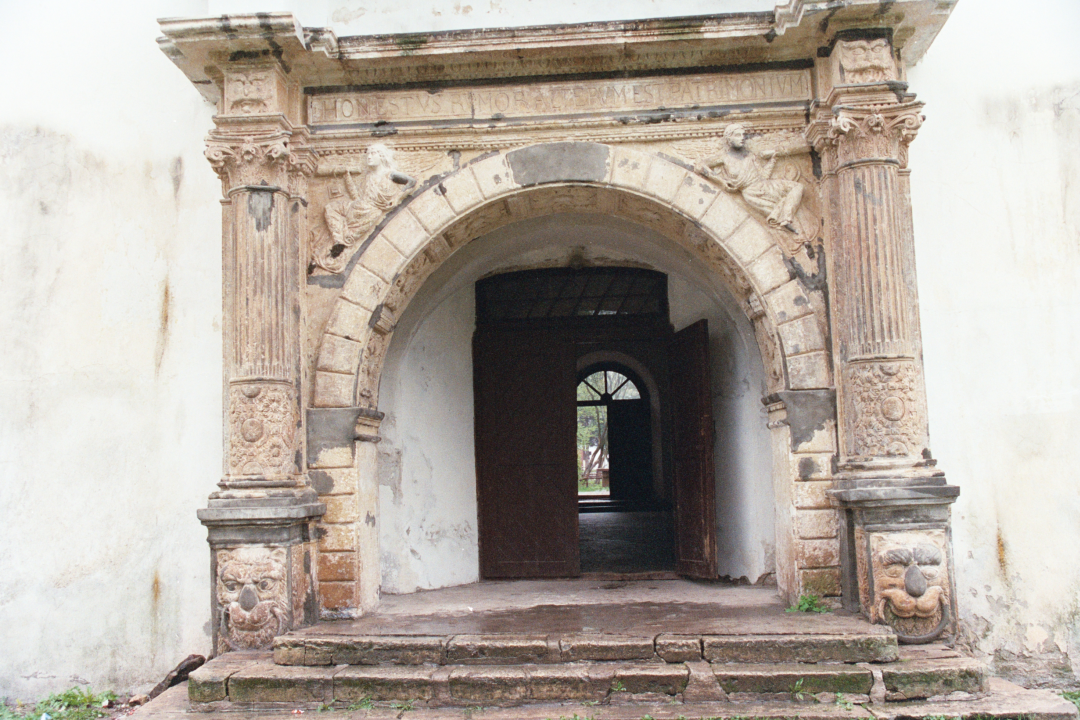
606 385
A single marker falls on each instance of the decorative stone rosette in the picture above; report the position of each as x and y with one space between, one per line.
262 421
252 597
911 583
885 418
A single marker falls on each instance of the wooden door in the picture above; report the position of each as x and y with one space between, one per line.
694 489
526 466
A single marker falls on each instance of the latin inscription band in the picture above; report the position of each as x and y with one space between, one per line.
569 98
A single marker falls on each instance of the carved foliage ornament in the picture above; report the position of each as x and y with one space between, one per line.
875 133
251 160
252 594
911 581
250 92
866 61
884 402
262 422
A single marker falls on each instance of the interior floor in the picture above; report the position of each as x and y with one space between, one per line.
626 542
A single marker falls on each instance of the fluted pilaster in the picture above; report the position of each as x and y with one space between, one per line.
896 544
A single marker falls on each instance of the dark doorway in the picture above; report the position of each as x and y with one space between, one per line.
584 461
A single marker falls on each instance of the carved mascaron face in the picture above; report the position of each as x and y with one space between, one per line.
251 591
866 61
911 591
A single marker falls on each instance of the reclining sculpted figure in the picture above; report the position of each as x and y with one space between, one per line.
739 168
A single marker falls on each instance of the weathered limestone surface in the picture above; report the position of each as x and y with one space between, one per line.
344 197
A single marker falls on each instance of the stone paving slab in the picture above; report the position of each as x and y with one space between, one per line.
794 678
355 683
1004 700
263 681
597 646
642 608
250 679
510 648
918 678
849 648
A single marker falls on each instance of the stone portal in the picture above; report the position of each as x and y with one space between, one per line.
770 148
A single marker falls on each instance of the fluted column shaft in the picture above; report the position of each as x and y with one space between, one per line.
882 406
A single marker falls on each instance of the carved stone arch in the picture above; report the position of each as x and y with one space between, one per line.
648 189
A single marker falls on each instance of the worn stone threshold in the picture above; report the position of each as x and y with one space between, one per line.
1003 700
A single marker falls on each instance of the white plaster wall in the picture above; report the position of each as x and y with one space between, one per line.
110 372
996 194
427 467
427 474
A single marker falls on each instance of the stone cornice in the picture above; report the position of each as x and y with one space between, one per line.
315 56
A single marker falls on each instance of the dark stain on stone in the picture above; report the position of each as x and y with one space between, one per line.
307 562
321 481
268 35
163 327
261 208
320 532
43 208
329 429
376 315
812 281
771 35
823 26
807 468
807 412
369 519
884 8
240 55
689 167
176 173
815 163
559 162
1002 556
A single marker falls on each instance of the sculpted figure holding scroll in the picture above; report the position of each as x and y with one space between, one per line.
739 168
370 196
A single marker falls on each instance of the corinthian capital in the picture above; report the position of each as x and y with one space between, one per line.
262 159
852 134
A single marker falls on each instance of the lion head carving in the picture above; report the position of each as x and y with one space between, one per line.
252 594
911 591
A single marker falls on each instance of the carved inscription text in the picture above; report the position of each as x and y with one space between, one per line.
559 98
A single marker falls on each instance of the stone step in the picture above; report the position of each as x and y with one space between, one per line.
516 649
239 680
1003 701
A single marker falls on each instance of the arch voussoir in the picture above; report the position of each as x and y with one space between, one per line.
645 188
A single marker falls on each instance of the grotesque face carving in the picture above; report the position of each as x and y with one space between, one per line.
251 591
911 582
866 61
